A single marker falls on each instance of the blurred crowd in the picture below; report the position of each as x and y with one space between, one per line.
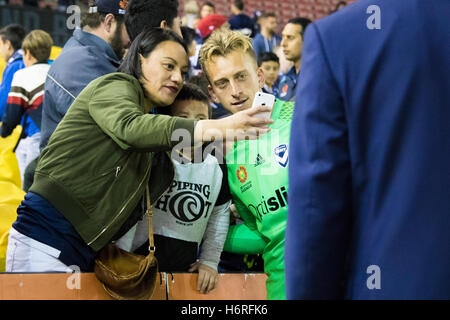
60 5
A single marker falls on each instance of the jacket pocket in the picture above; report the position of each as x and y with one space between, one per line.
94 189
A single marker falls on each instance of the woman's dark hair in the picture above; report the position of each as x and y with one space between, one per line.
143 45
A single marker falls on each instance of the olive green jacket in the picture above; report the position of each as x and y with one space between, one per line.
99 159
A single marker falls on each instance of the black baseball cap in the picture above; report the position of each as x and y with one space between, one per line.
109 6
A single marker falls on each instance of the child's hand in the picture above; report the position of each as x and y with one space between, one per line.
207 277
234 214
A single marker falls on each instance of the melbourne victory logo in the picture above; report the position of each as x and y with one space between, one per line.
281 155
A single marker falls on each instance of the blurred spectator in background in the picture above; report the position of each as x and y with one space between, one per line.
30 3
15 2
240 21
210 23
25 96
292 43
11 38
339 6
191 12
63 4
152 13
93 51
198 37
255 19
83 4
189 40
207 9
267 39
48 4
285 65
193 49
270 64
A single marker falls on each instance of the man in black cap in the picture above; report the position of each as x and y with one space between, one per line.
94 50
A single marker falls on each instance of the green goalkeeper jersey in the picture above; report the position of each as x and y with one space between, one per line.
258 180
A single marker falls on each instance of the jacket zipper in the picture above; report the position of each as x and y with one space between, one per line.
123 208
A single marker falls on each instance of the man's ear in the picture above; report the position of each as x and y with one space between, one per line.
26 54
8 44
212 94
261 78
109 22
163 24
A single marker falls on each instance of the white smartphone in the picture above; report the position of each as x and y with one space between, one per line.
263 99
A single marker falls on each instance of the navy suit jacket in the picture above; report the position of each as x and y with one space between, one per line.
369 197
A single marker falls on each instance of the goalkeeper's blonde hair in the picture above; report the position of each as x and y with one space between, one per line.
221 43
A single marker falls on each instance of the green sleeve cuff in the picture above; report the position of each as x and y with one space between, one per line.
242 240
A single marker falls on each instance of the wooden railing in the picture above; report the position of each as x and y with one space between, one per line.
85 286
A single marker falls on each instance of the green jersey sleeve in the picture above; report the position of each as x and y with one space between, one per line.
242 240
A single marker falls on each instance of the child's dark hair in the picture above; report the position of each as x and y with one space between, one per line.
201 81
189 91
192 91
267 56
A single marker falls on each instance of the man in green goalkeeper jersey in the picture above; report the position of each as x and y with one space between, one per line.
257 169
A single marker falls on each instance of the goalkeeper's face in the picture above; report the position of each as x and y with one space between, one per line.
234 80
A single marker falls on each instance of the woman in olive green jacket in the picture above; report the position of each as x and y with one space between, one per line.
92 175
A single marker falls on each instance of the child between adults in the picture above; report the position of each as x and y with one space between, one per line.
194 208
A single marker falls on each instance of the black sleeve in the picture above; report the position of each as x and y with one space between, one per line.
224 194
216 149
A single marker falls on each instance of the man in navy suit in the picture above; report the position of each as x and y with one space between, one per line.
369 198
